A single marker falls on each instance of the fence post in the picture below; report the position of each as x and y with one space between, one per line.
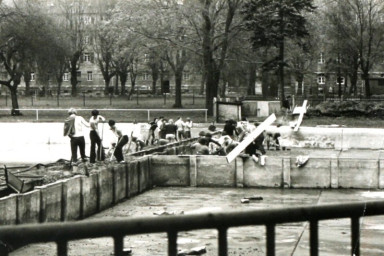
110 99
32 99
6 99
193 97
149 117
58 99
84 99
137 96
37 115
206 115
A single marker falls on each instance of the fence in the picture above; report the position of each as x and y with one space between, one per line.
172 225
149 113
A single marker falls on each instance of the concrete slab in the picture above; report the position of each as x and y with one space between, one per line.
291 238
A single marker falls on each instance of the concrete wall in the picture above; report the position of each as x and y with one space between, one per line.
319 172
79 196
82 196
228 110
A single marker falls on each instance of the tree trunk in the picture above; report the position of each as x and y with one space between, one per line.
107 81
367 85
202 84
353 88
27 79
223 88
264 84
300 79
132 91
178 81
123 81
155 77
73 71
15 103
59 83
252 79
281 93
116 91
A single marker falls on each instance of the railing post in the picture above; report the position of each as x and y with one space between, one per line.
172 243
270 240
223 243
3 249
37 115
62 248
118 245
355 236
314 238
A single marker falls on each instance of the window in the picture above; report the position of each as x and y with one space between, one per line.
339 59
86 39
340 80
65 76
33 76
87 20
321 58
78 73
321 79
186 76
87 57
145 76
89 76
146 58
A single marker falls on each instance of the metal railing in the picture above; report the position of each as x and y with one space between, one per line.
62 233
118 110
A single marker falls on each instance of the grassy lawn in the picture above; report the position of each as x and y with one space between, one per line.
137 108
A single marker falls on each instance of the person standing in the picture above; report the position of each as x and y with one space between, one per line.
151 132
159 124
77 135
170 130
187 128
121 141
180 128
95 137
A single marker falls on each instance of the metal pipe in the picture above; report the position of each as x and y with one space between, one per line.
51 232
271 240
314 237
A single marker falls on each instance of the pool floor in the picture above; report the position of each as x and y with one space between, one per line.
291 238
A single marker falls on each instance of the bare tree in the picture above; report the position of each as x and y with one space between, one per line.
358 35
72 18
24 33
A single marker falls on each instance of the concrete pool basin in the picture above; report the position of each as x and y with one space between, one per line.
291 238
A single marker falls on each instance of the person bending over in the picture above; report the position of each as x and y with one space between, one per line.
121 141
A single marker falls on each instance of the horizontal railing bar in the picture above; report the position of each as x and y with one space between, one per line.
107 109
120 227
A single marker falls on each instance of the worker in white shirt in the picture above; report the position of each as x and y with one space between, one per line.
95 137
77 136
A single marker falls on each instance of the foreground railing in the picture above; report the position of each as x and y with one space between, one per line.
62 233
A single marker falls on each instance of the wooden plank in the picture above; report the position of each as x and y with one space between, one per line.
251 137
302 111
13 182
